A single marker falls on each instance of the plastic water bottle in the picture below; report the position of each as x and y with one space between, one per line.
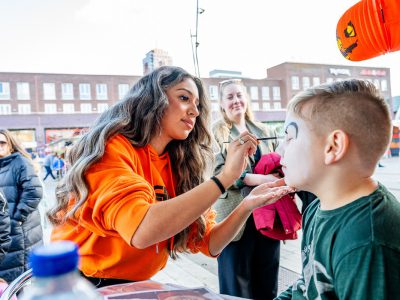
55 274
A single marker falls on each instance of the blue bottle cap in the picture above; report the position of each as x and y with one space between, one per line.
54 259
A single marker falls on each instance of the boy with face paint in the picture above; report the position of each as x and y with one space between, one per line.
335 135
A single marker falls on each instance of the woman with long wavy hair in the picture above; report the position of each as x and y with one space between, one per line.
136 192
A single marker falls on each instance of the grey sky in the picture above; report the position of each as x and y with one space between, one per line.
112 36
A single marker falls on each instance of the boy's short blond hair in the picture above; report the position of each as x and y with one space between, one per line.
354 106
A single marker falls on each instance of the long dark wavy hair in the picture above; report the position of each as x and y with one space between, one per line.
138 118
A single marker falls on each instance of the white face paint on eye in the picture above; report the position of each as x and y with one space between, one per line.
302 154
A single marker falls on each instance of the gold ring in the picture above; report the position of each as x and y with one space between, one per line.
241 141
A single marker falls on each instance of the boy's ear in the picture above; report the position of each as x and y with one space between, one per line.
336 146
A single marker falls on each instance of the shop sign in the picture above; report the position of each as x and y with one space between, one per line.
336 72
372 72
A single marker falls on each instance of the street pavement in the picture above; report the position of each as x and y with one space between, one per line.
194 270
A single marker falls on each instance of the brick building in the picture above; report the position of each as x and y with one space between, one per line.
155 59
44 108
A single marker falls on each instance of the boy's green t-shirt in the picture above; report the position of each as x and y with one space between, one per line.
352 252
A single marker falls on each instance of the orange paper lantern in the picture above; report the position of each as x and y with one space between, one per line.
369 28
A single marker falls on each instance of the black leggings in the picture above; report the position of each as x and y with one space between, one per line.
249 267
101 282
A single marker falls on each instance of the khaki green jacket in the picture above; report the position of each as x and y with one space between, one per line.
228 201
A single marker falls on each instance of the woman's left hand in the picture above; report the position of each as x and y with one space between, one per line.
267 193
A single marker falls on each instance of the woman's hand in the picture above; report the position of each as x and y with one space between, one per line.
237 154
266 193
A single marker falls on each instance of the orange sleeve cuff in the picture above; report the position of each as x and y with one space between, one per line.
203 245
129 218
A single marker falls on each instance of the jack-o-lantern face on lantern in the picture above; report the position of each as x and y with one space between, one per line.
369 29
349 39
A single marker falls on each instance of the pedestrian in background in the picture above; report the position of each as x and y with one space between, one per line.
136 191
23 191
248 266
58 165
48 165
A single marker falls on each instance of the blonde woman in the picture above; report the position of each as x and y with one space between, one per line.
248 266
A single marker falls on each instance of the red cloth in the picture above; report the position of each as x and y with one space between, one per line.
282 219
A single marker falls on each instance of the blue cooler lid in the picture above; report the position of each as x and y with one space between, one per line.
56 258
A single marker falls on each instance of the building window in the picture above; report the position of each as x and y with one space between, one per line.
384 85
254 93
68 108
277 105
67 91
266 106
316 81
23 91
101 91
101 107
255 106
123 88
276 93
4 91
84 91
377 83
215 106
5 109
306 82
24 109
50 108
86 108
49 91
295 83
265 93
213 90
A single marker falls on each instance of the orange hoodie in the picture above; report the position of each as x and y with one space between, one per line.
122 186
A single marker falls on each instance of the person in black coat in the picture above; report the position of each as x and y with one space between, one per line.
5 226
22 189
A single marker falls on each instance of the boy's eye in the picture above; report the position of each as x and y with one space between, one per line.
287 137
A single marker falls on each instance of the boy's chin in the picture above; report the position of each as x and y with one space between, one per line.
292 183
